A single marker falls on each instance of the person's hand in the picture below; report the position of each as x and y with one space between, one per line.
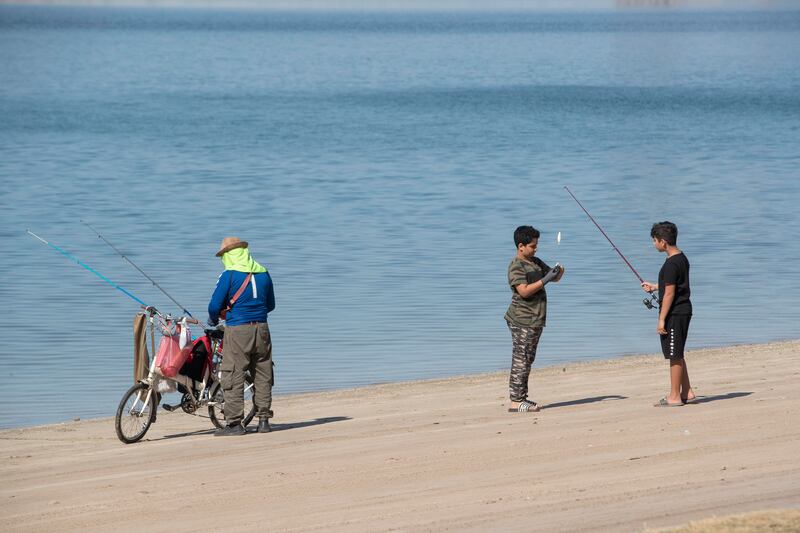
560 272
551 274
661 329
649 287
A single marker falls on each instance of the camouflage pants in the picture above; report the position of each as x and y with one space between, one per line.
525 341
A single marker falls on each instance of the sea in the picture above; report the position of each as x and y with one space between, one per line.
378 163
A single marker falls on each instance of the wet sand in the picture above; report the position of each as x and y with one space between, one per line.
438 456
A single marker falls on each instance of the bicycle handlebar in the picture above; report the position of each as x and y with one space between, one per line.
152 311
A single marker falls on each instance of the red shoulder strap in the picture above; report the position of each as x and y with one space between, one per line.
241 290
224 312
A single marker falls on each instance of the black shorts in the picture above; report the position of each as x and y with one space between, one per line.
674 341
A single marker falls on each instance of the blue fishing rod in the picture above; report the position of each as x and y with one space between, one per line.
90 269
142 272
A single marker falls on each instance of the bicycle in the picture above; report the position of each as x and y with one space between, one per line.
137 409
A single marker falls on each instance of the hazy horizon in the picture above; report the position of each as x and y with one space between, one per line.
430 5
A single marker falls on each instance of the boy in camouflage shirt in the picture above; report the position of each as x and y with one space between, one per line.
526 316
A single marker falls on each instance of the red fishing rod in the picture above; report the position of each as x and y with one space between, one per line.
651 302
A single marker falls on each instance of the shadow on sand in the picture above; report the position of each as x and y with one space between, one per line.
729 396
252 427
186 434
593 399
315 422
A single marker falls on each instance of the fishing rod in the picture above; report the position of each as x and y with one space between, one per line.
126 258
651 302
87 267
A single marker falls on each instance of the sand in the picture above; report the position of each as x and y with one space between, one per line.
440 455
785 521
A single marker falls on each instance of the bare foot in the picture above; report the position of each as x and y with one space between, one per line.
664 403
673 399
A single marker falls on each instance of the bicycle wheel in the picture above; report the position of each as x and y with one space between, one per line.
134 416
216 409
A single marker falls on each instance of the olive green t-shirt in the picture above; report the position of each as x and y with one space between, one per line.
527 312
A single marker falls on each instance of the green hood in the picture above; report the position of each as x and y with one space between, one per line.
239 260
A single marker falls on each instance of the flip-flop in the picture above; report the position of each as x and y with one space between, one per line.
687 401
664 403
525 406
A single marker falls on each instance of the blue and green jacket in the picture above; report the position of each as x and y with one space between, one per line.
253 305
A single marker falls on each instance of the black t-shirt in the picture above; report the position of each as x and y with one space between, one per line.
676 272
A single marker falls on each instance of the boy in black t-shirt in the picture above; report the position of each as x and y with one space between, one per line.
675 312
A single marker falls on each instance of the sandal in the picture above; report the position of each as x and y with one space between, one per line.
664 403
525 406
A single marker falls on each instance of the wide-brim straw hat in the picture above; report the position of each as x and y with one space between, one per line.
229 243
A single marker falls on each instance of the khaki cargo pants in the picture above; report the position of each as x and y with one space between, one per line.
247 347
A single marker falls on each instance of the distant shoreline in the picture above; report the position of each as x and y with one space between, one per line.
432 5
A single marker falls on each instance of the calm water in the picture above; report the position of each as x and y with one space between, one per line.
378 164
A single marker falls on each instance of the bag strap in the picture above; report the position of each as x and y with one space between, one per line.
241 290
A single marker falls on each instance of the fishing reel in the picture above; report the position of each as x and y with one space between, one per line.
651 302
167 325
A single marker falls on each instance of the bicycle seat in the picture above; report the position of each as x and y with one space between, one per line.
215 333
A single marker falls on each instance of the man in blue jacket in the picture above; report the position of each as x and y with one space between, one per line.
243 298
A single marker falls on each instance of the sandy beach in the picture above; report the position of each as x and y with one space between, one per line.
440 455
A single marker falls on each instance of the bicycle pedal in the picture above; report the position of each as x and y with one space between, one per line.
169 408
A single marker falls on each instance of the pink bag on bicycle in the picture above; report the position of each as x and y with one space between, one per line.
170 356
